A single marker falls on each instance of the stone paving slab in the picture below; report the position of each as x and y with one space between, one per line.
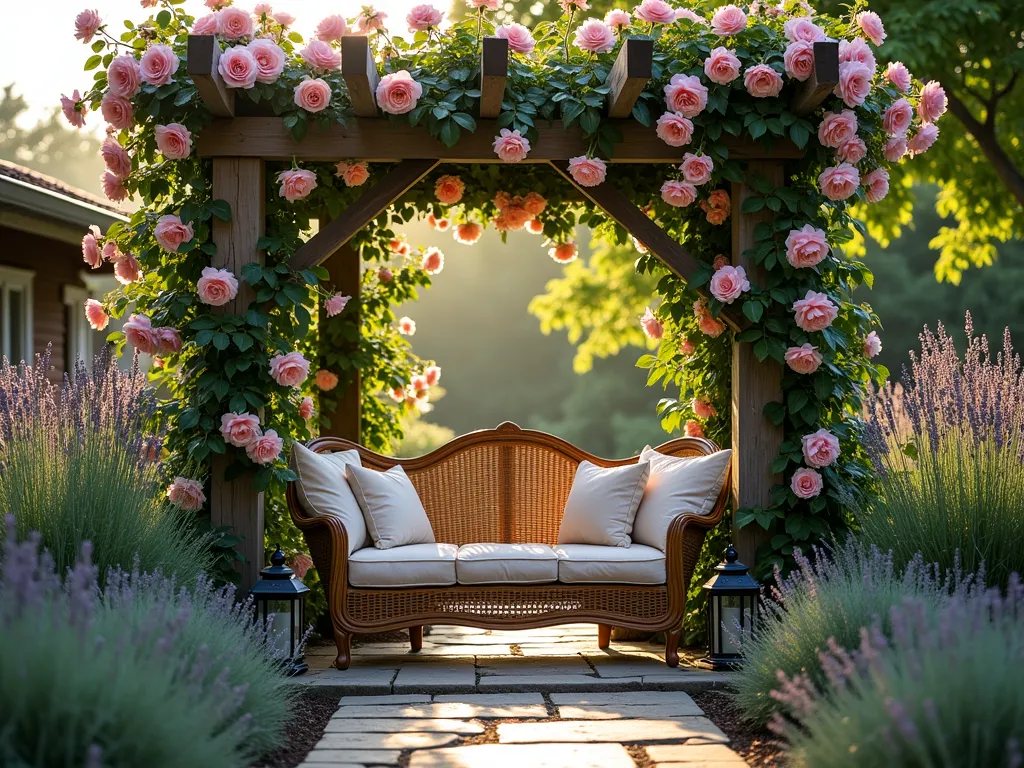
525 756
342 724
629 731
446 710
689 754
541 667
601 699
350 757
554 682
396 740
490 699
391 698
620 712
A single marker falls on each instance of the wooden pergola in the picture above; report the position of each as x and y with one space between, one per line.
241 140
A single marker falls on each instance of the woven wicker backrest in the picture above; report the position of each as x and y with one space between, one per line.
499 485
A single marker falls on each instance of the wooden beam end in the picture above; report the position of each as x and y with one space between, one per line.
825 77
493 75
360 73
202 57
629 74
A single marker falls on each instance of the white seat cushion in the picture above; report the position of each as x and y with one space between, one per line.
506 564
602 504
414 565
391 507
677 485
323 490
589 564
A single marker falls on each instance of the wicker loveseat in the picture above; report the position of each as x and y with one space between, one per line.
504 485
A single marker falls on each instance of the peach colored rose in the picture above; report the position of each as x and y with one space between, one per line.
95 314
687 347
168 341
406 326
306 409
113 187
398 93
325 380
821 448
852 151
511 146
502 199
535 227
717 216
804 359
932 105
139 333
697 168
174 141
117 111
442 225
922 141
336 304
839 182
898 74
87 23
805 483
233 23
265 449
289 370
722 66
729 283
872 345
269 58
895 148
854 83
170 232
397 394
90 248
802 29
118 161
296 184
703 408
655 12
312 95
876 185
871 25
320 56
721 260
799 59
617 19
385 275
651 325
217 287
678 193
301 565
127 270
124 76
594 36
728 20
158 65
693 429
186 494
563 253
588 171
74 108
709 325
205 25
534 203
433 261
449 189
519 38
857 50
331 29
806 247
674 129
355 174
432 374
686 95
370 20
762 82
423 17
720 199
468 233
897 117
814 312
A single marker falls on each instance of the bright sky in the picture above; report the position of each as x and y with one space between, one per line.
42 58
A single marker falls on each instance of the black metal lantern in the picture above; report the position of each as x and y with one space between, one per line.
280 593
732 611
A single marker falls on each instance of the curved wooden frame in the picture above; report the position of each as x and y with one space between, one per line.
359 610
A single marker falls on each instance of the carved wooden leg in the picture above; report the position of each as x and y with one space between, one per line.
416 638
604 635
344 642
672 647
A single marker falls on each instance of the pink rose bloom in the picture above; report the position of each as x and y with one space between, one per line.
94 313
802 29
353 174
158 65
922 141
168 341
814 312
895 148
469 232
872 345
490 5
678 193
127 270
205 25
688 15
86 24
821 448
170 233
423 17
854 83
113 188
728 20
336 304
594 36
91 249
449 189
651 325
433 261
265 449
174 141
685 94
269 59
384 275
325 380
728 283
563 253
233 23
320 56
804 359
118 161
511 146
617 19
331 29
674 129
186 494
839 182
806 483
74 108
289 370
871 25
587 171
897 117
217 287
398 93
857 50
655 12
762 82
407 326
932 105
898 74
697 168
117 111
284 18
432 374
306 409
876 185
370 20
124 76
296 184
721 260
313 95
111 252
722 66
799 59
852 151
703 408
806 247
519 38
687 347
693 429
139 333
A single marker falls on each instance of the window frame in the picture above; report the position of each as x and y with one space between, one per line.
15 279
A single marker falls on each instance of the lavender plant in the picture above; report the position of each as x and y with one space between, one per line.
79 463
949 451
943 689
139 672
828 598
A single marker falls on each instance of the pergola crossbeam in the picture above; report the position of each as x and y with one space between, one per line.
493 76
203 57
629 75
825 77
360 73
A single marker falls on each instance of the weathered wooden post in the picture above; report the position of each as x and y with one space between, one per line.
346 270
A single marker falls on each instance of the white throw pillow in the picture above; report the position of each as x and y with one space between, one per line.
391 507
677 485
323 490
602 504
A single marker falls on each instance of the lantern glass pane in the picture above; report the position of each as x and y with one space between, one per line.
715 605
734 609
283 638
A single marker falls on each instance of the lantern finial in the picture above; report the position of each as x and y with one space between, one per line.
731 555
278 557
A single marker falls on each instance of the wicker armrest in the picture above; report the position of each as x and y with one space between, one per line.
327 540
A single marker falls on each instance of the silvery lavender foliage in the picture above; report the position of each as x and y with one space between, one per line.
138 672
942 688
